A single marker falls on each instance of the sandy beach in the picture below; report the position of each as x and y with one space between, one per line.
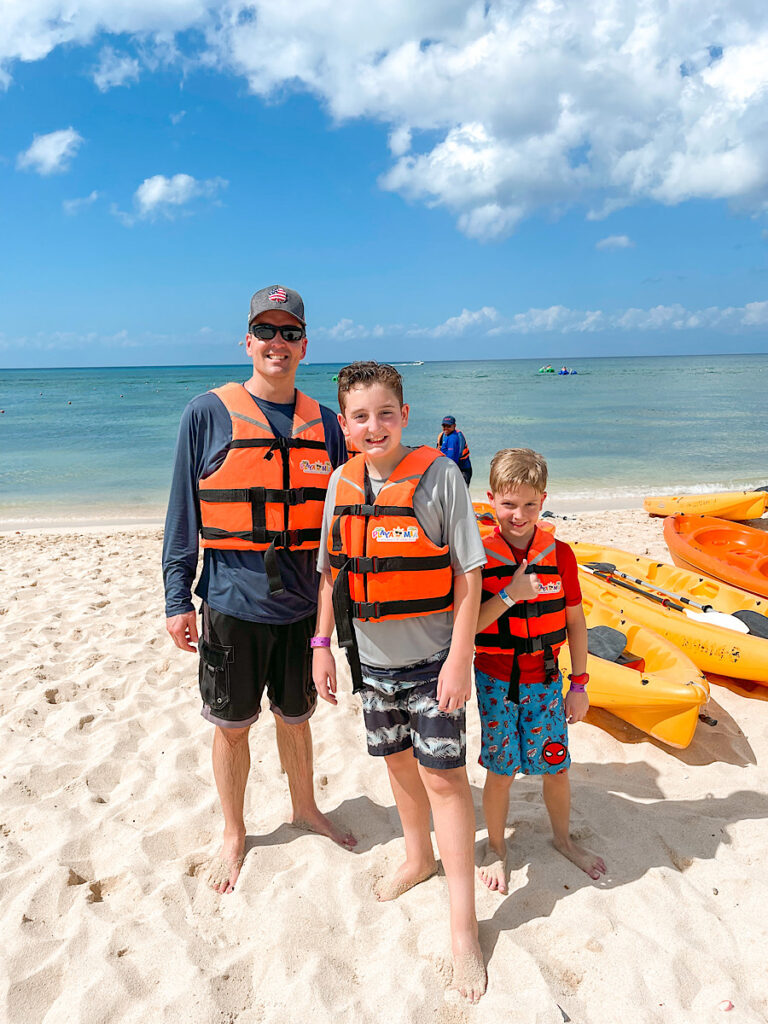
108 816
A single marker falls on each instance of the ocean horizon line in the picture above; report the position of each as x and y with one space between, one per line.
397 362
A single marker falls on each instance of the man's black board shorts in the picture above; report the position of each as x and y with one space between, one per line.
239 660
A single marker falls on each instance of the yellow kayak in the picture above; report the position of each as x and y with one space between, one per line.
652 684
725 505
712 648
683 582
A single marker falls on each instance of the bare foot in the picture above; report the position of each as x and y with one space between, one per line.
583 858
224 869
314 821
404 878
469 977
493 870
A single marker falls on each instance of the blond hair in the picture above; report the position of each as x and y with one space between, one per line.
365 373
512 467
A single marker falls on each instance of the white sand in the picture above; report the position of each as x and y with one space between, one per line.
108 811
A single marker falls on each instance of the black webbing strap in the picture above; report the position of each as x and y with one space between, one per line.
411 606
396 563
261 495
513 692
551 672
499 571
345 630
269 442
280 538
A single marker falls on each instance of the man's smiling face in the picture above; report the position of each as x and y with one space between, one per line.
275 358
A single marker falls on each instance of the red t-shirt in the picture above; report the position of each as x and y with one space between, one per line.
499 665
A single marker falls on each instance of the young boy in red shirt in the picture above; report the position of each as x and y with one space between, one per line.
531 604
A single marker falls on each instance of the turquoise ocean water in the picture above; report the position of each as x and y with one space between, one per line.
620 429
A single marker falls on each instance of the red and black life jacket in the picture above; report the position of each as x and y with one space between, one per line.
538 624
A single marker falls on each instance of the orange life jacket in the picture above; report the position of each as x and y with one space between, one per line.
538 624
379 551
269 491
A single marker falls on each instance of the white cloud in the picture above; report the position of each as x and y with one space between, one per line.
73 206
488 321
159 196
466 320
178 117
115 69
615 242
52 153
494 110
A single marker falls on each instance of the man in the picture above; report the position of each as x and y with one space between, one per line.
250 474
452 443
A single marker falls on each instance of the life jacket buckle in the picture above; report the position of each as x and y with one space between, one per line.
366 565
296 496
366 510
368 610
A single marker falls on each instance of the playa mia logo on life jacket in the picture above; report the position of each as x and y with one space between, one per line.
550 588
315 467
397 533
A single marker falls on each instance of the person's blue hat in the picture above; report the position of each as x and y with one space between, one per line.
449 421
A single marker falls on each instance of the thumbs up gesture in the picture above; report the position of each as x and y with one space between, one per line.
524 587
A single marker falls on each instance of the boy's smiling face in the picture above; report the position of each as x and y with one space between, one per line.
518 512
373 420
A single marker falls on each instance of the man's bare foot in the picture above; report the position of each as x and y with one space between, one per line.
404 878
493 870
314 821
224 869
469 977
583 858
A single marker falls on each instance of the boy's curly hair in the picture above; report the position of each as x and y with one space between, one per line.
366 372
512 467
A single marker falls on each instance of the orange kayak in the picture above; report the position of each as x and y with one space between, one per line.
730 552
724 505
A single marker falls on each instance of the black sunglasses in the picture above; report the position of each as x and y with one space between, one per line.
266 332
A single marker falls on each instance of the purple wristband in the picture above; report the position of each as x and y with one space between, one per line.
320 641
578 687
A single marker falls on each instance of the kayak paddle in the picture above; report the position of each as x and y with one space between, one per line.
706 613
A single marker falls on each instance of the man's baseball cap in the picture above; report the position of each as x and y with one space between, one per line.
277 297
449 421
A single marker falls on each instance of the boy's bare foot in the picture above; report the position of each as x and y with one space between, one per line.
469 977
493 870
401 880
224 869
315 821
583 858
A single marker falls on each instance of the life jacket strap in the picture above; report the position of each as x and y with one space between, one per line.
551 672
262 495
395 563
282 444
412 606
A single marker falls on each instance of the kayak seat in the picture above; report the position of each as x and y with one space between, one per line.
758 624
606 643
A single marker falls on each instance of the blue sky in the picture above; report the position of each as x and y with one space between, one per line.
506 179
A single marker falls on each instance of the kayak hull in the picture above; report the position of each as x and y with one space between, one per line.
663 699
732 505
731 552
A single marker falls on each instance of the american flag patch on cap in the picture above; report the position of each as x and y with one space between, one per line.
278 295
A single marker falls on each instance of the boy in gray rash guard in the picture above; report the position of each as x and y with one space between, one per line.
415 669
